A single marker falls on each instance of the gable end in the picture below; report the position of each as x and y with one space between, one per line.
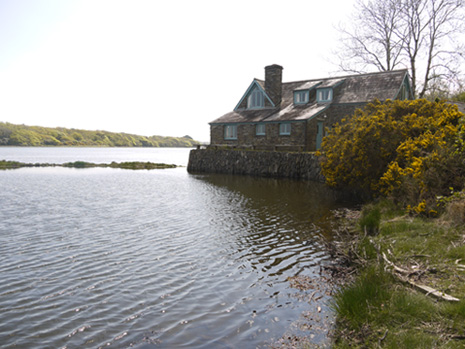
405 91
242 105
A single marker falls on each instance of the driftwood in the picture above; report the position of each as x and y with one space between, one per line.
460 266
427 289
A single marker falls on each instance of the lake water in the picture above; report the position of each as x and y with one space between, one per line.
164 259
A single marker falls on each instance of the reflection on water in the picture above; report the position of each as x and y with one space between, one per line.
99 257
272 215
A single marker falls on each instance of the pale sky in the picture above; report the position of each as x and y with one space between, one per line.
153 67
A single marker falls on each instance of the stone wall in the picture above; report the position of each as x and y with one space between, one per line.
256 163
247 137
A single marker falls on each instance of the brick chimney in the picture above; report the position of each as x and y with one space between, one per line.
273 82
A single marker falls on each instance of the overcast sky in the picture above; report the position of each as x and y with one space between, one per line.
153 67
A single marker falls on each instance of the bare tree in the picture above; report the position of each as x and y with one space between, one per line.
418 34
372 39
430 24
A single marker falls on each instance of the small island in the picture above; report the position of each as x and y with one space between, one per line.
133 165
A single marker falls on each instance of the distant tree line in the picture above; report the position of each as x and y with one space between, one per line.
22 135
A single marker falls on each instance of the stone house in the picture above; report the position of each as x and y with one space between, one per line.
272 115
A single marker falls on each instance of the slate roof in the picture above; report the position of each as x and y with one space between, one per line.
353 89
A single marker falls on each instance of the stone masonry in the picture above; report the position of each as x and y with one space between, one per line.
256 163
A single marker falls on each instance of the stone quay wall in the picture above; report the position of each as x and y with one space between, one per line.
256 163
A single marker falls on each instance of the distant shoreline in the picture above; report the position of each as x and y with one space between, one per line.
37 136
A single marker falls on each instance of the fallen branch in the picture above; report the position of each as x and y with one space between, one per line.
383 337
459 266
396 268
427 289
436 293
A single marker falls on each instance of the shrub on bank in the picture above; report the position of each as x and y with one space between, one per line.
411 151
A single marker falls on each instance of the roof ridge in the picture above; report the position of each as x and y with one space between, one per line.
348 76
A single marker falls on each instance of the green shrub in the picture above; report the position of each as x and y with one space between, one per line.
411 151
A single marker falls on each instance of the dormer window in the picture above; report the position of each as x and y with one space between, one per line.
324 95
301 97
256 99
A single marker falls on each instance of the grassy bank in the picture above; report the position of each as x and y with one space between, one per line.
134 165
407 267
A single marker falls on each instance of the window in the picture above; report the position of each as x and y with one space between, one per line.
301 97
285 129
230 132
260 130
256 99
325 95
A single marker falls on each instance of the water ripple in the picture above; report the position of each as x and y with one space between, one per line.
109 257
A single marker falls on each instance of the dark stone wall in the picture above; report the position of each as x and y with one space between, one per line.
333 115
303 134
247 137
256 163
340 111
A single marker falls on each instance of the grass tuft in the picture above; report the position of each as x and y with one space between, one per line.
370 220
356 301
455 212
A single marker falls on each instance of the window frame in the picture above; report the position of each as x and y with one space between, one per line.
260 129
256 99
298 96
285 129
230 132
319 94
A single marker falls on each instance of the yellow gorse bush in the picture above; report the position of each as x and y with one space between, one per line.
410 150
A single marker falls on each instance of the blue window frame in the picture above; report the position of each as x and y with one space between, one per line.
260 130
285 129
301 97
256 99
324 95
230 132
